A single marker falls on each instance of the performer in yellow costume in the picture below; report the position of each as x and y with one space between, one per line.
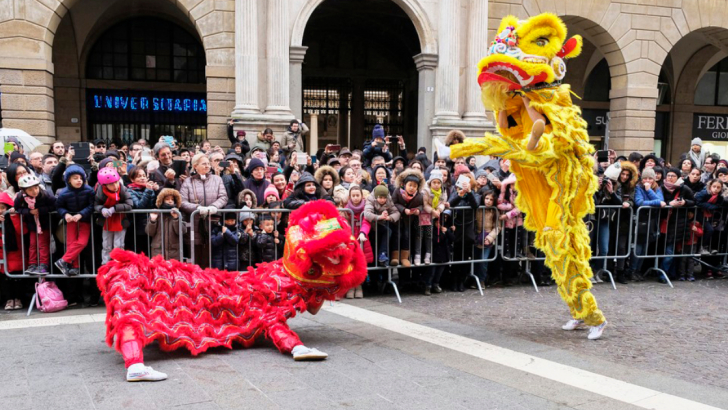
545 138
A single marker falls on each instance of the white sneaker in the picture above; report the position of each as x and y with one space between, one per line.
140 373
301 353
573 324
595 332
427 259
417 260
597 278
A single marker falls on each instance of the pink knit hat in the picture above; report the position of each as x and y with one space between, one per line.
271 190
460 169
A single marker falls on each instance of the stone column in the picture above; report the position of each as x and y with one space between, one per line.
426 64
278 70
632 119
246 58
296 56
313 134
448 69
477 49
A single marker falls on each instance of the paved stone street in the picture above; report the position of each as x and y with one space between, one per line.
668 340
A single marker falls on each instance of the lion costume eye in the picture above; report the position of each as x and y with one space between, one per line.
542 41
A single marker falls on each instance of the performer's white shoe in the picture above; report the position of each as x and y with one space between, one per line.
443 151
595 332
301 353
573 324
140 373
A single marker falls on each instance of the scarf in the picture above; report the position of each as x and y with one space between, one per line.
407 197
669 186
713 199
356 208
113 223
436 197
137 186
31 204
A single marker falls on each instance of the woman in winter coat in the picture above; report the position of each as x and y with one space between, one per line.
305 190
647 194
464 220
674 221
487 228
408 199
382 175
205 192
232 179
622 220
256 182
328 178
164 228
143 196
512 220
694 182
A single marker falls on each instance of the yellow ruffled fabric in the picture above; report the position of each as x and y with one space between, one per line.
556 186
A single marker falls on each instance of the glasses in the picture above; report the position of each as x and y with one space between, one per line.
671 176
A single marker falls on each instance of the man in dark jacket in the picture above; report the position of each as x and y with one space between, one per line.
165 176
377 147
256 182
673 221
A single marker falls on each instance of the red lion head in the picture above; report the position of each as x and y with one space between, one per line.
321 251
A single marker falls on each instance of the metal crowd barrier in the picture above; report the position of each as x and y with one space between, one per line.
613 220
280 217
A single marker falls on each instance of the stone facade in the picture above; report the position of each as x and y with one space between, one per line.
255 50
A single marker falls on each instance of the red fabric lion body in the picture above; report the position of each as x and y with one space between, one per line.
181 305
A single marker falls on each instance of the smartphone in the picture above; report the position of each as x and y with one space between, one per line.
118 164
224 164
301 158
82 150
603 156
179 166
313 159
147 154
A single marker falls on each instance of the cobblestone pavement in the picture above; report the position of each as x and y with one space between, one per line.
680 332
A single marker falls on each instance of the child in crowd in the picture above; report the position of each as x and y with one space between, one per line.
710 201
268 246
35 205
686 265
647 193
271 195
407 198
464 198
11 252
434 203
247 228
380 209
164 228
361 229
443 237
75 204
487 228
247 198
512 225
226 241
111 199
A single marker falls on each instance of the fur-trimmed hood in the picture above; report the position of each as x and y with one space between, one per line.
167 192
633 171
326 170
399 182
454 137
241 195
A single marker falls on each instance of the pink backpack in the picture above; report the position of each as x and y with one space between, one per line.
49 298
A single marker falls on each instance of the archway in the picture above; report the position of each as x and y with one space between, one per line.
359 71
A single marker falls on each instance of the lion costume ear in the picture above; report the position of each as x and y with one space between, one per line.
571 48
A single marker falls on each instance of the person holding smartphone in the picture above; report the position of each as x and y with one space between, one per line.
378 147
293 137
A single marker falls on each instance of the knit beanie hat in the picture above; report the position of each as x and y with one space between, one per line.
723 171
648 173
240 133
112 153
435 174
103 162
480 173
696 141
461 169
271 190
381 191
378 131
15 155
73 170
253 164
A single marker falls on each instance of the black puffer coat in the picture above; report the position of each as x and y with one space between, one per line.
677 218
225 247
266 248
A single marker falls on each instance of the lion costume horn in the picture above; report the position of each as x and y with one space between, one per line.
320 249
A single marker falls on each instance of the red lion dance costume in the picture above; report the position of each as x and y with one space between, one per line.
182 306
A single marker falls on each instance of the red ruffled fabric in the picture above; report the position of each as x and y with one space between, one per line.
181 306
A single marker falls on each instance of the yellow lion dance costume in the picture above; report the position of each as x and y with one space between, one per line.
520 81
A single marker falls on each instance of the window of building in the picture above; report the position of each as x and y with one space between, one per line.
598 83
147 49
713 86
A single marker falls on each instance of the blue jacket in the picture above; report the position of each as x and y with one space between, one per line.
225 248
648 197
75 201
371 151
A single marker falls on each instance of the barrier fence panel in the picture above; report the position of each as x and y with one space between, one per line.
516 244
45 249
609 239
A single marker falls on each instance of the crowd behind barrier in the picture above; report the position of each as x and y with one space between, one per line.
423 223
674 245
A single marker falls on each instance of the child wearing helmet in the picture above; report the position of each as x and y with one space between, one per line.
111 199
34 204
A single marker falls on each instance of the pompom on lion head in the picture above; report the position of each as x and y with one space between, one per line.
321 251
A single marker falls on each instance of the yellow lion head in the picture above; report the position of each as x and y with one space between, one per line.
527 53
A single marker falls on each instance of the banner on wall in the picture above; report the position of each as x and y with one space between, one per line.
710 127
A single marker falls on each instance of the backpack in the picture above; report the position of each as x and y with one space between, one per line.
49 298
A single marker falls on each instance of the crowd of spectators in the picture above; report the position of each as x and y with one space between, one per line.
427 218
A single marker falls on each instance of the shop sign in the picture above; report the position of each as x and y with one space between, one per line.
141 102
596 121
710 127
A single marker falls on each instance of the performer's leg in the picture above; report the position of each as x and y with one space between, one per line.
287 341
131 346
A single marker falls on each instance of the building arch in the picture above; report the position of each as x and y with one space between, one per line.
412 8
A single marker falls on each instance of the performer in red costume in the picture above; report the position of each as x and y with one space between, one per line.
180 305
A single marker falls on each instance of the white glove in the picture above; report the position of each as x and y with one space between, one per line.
443 152
107 212
212 210
204 210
